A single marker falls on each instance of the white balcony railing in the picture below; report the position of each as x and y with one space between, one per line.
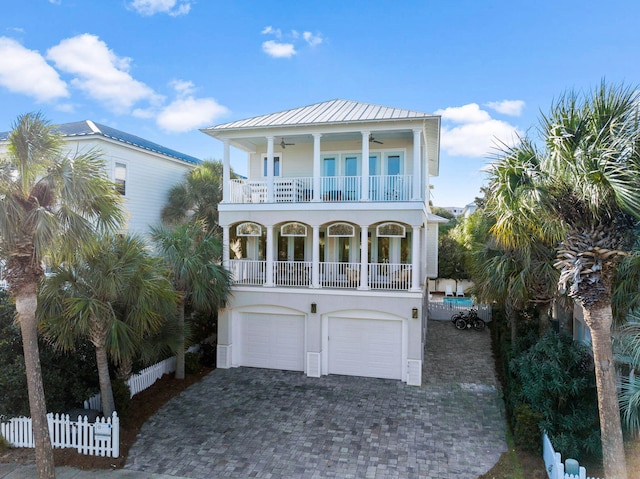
385 276
394 276
249 272
340 188
390 188
339 275
292 273
332 189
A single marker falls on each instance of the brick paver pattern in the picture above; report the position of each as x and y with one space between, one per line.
246 422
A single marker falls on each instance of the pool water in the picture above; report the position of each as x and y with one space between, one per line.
458 301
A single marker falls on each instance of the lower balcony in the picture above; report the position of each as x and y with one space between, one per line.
299 274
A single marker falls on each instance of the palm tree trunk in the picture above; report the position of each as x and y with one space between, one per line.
108 404
511 318
599 319
543 318
26 303
180 353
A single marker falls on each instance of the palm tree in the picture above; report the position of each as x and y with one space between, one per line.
48 202
192 256
513 187
114 296
196 199
588 191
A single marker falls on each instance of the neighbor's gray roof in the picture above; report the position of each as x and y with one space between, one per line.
88 128
333 111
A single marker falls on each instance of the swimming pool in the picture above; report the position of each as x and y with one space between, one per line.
458 301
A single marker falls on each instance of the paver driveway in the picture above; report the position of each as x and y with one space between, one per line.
246 422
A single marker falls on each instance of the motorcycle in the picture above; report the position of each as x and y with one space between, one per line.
468 320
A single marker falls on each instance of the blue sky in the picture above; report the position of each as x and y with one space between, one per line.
161 69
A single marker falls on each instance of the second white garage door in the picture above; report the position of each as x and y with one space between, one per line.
274 341
365 347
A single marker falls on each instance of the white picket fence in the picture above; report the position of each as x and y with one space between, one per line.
141 381
101 438
554 465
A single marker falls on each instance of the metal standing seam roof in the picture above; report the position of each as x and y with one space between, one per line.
88 128
333 111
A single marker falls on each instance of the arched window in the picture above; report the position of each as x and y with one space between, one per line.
390 230
249 229
341 230
293 229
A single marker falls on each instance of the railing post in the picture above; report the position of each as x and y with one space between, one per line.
417 155
316 166
364 254
364 194
226 171
270 169
270 249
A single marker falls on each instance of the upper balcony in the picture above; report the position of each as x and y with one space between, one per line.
334 189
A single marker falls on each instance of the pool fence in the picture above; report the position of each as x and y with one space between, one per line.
443 311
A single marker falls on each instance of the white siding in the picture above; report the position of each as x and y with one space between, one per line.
150 176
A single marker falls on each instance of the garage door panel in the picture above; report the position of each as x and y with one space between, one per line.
273 341
365 347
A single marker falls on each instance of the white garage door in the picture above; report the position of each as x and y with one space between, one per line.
273 341
365 347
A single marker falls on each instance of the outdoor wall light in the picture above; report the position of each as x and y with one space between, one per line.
414 313
314 308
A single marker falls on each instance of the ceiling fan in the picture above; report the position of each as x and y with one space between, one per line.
373 140
283 144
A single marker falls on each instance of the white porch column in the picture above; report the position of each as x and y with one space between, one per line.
316 166
364 255
270 169
364 193
417 154
269 270
225 247
415 258
315 258
226 172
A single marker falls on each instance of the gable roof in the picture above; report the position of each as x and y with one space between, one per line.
332 111
88 128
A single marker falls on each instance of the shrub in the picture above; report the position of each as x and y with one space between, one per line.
525 428
555 381
208 355
4 445
63 391
121 397
192 363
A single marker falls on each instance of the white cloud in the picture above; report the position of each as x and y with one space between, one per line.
55 2
99 72
278 50
26 71
287 48
173 8
269 30
312 39
507 107
187 113
470 113
477 134
183 87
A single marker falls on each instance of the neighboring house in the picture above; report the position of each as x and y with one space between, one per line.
454 210
469 210
142 170
330 240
